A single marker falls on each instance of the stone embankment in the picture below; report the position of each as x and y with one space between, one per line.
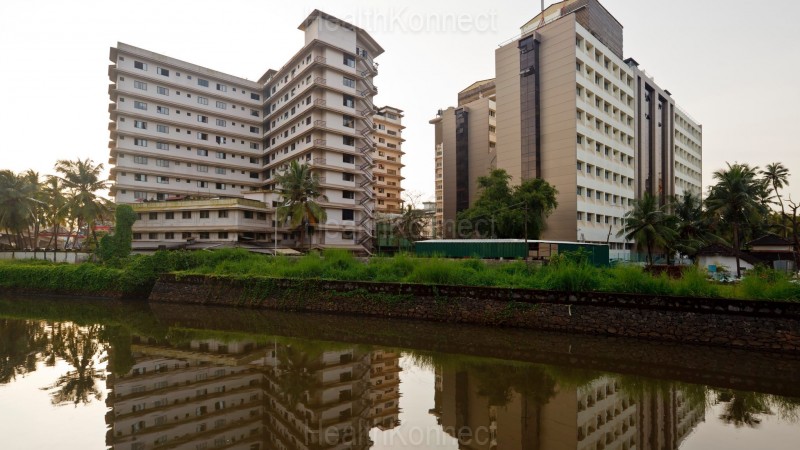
763 325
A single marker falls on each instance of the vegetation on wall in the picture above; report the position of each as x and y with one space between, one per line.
138 274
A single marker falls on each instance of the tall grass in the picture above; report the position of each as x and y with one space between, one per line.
138 274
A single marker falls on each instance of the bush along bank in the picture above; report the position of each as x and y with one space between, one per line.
136 275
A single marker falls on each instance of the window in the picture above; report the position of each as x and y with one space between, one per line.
140 159
162 163
162 71
202 168
348 121
221 186
349 61
205 235
348 159
348 214
254 113
255 96
222 87
139 124
222 214
221 170
162 110
162 180
348 194
140 85
202 136
348 100
204 119
222 105
139 177
580 139
204 215
349 82
140 105
202 184
348 140
169 216
202 100
152 216
140 65
140 142
202 82
186 215
348 177
162 128
162 146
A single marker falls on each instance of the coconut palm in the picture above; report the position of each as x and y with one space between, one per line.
693 227
17 204
648 223
735 200
54 196
82 178
38 207
777 175
300 190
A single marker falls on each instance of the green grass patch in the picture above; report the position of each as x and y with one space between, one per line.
137 274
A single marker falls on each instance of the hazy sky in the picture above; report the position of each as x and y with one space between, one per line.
732 64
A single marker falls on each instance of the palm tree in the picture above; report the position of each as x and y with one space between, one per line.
693 227
777 175
82 178
648 223
53 194
37 207
735 200
17 204
300 190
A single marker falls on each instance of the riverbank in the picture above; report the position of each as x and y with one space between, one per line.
763 325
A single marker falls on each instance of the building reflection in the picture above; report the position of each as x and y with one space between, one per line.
596 415
247 395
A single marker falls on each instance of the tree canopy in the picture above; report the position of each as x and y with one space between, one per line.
505 212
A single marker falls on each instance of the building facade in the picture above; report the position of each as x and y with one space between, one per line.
185 132
572 111
466 142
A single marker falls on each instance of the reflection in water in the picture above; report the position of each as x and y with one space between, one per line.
209 393
203 389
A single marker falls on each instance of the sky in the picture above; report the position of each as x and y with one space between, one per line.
733 65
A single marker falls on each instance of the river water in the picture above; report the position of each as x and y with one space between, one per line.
80 374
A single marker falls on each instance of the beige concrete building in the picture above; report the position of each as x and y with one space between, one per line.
185 132
466 143
388 159
572 111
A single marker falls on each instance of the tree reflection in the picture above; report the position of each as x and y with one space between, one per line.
742 409
80 347
21 342
295 373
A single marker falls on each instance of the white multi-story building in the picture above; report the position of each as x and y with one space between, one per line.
688 154
184 132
